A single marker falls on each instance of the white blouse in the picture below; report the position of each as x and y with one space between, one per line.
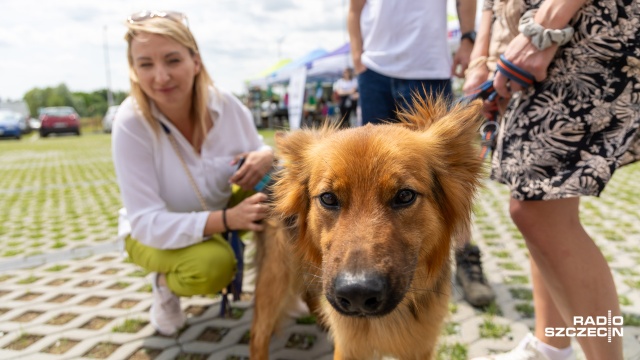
161 208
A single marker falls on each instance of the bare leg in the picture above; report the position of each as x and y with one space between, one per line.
547 314
574 270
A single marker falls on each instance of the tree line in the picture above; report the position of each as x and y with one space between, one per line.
86 104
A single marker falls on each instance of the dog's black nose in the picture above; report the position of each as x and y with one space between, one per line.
361 294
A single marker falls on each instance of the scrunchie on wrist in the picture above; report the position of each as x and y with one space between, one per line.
540 37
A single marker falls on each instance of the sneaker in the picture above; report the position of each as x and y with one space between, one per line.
166 315
475 288
526 350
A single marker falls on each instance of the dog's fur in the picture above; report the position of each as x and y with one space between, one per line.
370 233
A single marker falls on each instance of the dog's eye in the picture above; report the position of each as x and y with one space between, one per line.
329 200
404 197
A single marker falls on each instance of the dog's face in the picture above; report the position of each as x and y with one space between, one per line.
377 205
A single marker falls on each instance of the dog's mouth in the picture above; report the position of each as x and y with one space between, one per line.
363 294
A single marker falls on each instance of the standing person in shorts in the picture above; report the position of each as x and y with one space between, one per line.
561 139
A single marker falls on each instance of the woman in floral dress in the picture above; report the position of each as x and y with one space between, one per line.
561 139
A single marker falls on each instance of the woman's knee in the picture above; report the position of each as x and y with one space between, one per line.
521 215
208 274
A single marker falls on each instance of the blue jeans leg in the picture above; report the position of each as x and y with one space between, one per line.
381 96
405 90
376 99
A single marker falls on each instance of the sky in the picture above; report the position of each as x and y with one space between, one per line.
44 43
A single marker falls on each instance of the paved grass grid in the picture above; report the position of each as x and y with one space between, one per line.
65 293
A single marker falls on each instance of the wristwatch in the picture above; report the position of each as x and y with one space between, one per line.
471 35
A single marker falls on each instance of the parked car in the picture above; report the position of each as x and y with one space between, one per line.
107 121
21 108
59 119
10 122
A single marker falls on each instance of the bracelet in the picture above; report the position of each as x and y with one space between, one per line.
540 37
224 220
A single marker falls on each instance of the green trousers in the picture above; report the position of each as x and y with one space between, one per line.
203 268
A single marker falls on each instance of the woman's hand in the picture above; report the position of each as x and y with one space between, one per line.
255 166
247 214
524 55
474 78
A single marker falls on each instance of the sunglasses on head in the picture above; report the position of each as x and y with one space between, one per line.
146 14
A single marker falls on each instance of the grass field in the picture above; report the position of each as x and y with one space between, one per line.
58 193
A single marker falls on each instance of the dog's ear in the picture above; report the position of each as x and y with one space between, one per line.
291 190
423 112
452 147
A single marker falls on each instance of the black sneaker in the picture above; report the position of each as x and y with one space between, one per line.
477 291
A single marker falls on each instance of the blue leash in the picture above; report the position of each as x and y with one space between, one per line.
235 287
233 237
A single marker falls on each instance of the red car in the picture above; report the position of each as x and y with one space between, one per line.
59 119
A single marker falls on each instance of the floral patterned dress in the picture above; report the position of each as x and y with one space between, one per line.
564 137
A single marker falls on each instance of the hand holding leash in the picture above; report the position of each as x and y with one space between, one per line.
247 214
252 167
521 54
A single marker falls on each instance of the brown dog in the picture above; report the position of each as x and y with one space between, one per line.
363 224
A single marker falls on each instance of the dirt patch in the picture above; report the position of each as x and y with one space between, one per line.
89 283
4 292
28 296
118 286
57 282
101 351
301 341
145 354
92 301
61 298
96 323
245 338
62 319
196 310
26 317
106 258
84 269
60 347
110 271
4 311
23 342
126 304
212 334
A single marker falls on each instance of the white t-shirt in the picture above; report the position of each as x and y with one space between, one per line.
406 39
345 85
162 208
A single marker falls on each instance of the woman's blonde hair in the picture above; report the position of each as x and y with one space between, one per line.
179 32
